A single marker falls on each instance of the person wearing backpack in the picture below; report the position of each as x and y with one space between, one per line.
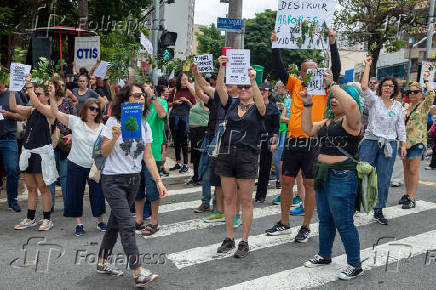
336 181
85 130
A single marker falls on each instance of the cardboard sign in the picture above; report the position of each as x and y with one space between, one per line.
131 117
290 13
100 71
316 84
204 62
237 67
86 51
17 76
146 44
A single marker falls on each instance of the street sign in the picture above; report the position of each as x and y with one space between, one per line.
230 24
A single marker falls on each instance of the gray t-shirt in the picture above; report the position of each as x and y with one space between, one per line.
90 93
8 127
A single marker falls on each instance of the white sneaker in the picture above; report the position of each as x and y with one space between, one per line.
26 223
46 225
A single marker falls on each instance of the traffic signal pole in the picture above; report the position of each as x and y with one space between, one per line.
234 39
155 35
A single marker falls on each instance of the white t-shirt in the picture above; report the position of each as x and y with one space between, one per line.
83 140
127 154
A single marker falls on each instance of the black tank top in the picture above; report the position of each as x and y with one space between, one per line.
335 135
37 131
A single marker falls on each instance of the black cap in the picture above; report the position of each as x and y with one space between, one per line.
265 86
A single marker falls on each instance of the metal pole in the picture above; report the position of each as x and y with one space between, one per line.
155 36
409 66
235 11
243 34
429 29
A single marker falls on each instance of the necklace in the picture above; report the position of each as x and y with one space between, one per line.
245 108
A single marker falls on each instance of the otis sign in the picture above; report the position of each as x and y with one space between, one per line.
86 51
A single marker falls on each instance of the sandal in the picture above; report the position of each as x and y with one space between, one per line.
150 230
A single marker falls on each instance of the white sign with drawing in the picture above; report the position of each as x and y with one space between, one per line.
237 67
204 62
17 77
146 43
316 83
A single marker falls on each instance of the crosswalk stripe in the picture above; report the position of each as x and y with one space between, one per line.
302 277
193 189
208 253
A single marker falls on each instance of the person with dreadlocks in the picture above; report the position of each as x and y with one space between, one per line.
336 180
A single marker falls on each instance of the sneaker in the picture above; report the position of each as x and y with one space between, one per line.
146 215
429 168
297 211
102 227
26 223
184 168
202 208
242 250
276 200
15 207
164 173
215 217
107 268
176 167
191 182
409 204
260 200
144 278
139 228
350 272
317 261
46 225
379 217
226 246
278 184
296 201
278 229
395 184
303 235
403 199
237 221
80 231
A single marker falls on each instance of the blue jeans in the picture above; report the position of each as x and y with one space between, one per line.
335 202
370 152
9 153
277 156
63 173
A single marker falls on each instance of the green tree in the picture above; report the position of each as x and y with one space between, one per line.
210 41
378 23
131 125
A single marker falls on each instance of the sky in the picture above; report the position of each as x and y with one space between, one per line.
207 11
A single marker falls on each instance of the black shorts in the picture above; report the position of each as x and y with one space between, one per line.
302 159
34 164
240 163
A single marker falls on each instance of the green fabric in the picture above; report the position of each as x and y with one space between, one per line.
322 171
283 127
157 126
368 175
197 116
353 93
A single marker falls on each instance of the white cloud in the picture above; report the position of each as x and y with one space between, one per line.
207 11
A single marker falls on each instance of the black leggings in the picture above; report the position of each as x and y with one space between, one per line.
180 139
196 135
264 171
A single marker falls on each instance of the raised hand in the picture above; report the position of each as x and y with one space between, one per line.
223 59
274 37
368 61
307 99
252 74
332 36
116 131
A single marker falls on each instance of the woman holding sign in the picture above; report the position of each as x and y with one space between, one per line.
237 161
120 182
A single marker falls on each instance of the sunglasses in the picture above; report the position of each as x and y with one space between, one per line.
138 96
415 92
244 87
93 109
373 83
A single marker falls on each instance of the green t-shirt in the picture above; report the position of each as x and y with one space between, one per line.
157 126
197 116
284 126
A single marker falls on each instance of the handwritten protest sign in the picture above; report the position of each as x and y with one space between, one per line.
100 71
237 67
291 13
131 115
86 51
17 77
146 44
316 83
204 62
428 66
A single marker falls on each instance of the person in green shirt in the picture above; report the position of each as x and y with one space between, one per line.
156 117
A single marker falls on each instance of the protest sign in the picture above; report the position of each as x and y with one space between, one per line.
146 44
17 76
1 115
428 66
131 116
204 62
290 15
100 71
86 51
237 67
316 83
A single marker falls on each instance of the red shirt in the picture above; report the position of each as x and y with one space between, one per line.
183 108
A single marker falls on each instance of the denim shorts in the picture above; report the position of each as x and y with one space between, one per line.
147 188
415 151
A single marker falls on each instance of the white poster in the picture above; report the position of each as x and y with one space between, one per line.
316 83
204 62
291 12
1 115
237 67
425 67
146 44
100 71
86 51
17 77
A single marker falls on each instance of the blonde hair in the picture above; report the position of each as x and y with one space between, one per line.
416 85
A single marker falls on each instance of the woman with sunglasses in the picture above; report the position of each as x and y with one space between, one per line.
385 127
416 131
120 181
237 162
85 130
37 151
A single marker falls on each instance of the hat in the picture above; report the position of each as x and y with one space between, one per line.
265 86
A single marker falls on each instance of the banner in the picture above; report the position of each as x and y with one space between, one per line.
146 44
131 116
204 62
291 13
237 67
17 76
86 51
316 83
